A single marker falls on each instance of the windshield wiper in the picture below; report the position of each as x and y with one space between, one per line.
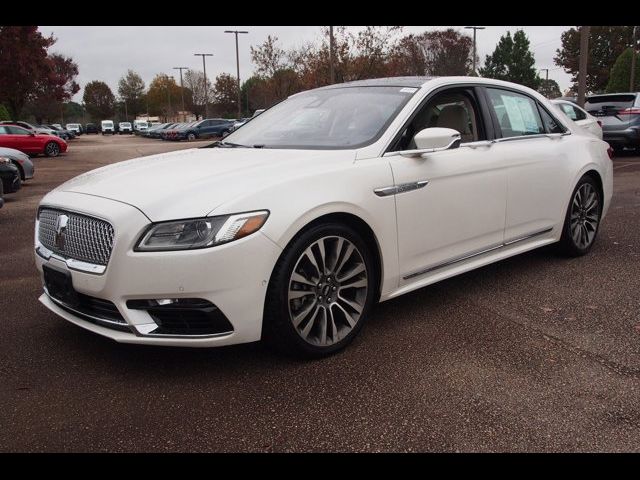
223 144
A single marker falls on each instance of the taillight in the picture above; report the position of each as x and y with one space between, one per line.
629 111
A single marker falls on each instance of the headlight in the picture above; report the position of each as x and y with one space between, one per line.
201 232
4 160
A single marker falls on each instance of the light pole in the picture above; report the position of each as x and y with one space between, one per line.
236 32
474 45
184 114
582 64
332 74
633 60
204 68
546 70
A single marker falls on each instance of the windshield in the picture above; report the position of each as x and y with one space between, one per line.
348 117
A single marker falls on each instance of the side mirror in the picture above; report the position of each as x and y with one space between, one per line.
437 139
32 134
431 140
225 134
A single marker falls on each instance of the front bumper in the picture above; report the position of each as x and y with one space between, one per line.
233 277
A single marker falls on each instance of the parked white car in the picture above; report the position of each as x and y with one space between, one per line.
291 231
580 116
124 127
74 127
106 126
140 125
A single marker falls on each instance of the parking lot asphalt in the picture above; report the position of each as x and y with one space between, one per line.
535 353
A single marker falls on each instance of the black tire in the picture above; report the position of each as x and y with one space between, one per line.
568 244
51 149
278 331
20 169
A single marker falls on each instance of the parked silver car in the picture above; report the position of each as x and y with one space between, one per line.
21 160
620 117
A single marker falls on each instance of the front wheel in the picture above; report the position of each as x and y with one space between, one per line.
191 136
582 219
321 291
51 149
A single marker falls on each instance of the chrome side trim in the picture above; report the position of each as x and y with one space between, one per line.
401 188
474 254
526 237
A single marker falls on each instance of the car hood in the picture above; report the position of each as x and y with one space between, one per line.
13 153
193 183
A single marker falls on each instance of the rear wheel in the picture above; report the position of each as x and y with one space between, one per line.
52 149
582 219
320 293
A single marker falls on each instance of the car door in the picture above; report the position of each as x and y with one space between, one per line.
533 143
25 140
450 204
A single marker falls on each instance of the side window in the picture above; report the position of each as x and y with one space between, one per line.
17 130
517 114
450 109
3 130
550 123
580 115
569 110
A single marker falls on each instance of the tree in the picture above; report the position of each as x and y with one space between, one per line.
268 57
29 73
549 88
163 96
193 82
99 100
131 90
4 114
512 61
46 101
605 46
621 73
448 52
225 95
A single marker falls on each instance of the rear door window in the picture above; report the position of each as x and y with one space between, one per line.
517 114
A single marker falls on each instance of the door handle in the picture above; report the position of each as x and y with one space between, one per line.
482 143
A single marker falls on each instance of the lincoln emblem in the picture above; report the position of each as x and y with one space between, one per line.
61 227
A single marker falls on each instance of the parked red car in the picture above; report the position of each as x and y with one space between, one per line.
13 136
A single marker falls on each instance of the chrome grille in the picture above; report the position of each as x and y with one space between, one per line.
86 238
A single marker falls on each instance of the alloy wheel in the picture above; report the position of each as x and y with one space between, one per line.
585 215
52 149
327 291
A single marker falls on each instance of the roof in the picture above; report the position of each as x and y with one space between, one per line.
384 82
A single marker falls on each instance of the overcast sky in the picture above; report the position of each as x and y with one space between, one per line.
106 53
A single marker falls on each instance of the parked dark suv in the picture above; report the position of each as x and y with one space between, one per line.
620 117
91 128
210 127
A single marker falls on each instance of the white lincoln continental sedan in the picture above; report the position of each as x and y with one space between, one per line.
294 226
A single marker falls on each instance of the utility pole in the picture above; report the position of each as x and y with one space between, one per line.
236 32
633 60
547 73
126 113
582 72
184 114
332 74
204 68
474 45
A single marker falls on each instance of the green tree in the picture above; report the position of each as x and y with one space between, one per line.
131 90
621 73
605 46
513 61
225 98
4 114
549 88
99 100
